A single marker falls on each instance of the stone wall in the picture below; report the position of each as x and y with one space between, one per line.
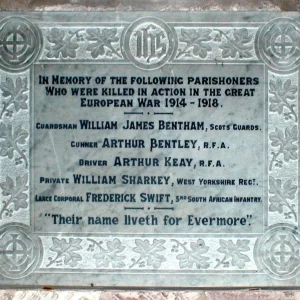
158 5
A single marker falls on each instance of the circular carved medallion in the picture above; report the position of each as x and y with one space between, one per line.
277 252
20 43
279 44
149 43
20 250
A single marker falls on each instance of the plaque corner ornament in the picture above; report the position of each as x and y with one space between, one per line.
20 44
277 252
20 251
279 44
149 43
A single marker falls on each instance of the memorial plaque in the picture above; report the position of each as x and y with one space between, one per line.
149 149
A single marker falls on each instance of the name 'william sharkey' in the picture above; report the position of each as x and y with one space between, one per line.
108 179
124 179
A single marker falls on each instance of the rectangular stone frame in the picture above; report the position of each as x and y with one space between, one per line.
278 35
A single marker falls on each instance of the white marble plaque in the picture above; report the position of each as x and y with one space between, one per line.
149 149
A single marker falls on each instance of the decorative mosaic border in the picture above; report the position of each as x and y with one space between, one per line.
104 44
196 43
283 140
149 253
